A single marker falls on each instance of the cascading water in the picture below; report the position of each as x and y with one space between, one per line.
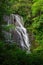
24 40
21 31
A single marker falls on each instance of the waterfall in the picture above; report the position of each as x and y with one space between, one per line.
20 30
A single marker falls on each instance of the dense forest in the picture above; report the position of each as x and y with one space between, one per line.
32 13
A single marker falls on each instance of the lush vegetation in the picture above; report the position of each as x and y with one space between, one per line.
32 12
11 55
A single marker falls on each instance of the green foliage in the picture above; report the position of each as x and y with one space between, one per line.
10 54
37 7
37 25
22 8
8 27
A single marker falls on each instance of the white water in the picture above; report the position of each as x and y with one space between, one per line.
24 40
